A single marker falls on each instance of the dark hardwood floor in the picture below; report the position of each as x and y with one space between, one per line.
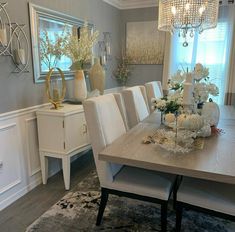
18 216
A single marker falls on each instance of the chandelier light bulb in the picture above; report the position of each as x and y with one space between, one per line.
187 6
173 10
202 9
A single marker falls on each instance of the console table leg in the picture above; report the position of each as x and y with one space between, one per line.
66 171
44 167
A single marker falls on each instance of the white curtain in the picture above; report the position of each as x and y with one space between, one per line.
212 48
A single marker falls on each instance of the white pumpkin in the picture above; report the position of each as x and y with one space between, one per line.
193 122
169 118
205 131
181 119
211 113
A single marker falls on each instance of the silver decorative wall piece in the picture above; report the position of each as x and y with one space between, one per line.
105 48
13 41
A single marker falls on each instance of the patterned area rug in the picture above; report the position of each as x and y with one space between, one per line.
77 211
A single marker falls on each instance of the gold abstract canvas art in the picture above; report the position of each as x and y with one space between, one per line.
145 44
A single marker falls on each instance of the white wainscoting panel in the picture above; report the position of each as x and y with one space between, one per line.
32 146
20 171
19 154
10 158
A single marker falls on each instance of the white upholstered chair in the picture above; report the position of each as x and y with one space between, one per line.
106 123
210 197
153 90
136 104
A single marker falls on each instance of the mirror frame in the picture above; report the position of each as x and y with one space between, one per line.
35 12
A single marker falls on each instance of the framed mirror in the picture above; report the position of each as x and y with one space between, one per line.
53 23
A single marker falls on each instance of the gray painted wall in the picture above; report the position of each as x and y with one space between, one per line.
18 92
141 73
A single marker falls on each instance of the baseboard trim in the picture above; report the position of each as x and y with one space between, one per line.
11 199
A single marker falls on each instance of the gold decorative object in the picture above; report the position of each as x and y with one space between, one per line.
97 77
55 94
187 16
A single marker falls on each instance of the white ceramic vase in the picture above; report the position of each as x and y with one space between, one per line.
97 77
80 89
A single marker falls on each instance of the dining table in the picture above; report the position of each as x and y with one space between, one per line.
215 161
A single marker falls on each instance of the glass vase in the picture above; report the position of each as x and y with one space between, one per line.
162 118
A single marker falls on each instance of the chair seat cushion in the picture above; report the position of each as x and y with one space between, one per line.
208 194
144 182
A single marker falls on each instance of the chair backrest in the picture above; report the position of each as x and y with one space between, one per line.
105 122
136 104
153 90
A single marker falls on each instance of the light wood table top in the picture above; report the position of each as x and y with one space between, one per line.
216 161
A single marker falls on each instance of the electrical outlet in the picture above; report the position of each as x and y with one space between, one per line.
1 164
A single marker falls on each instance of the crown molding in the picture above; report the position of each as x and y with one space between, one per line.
132 4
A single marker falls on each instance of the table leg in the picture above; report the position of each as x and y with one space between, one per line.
66 171
44 167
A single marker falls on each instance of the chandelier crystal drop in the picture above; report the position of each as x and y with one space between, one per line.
187 16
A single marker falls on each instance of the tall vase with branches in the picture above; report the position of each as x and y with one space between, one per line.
79 49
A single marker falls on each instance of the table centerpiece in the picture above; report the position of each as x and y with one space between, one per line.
182 111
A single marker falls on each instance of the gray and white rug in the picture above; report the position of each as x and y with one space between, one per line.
77 211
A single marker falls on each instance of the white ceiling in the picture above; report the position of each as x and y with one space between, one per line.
131 4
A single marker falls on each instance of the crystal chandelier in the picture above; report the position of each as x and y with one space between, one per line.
187 16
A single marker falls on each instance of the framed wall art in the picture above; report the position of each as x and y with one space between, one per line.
145 44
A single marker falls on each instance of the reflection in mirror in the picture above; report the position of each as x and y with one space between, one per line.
50 24
53 28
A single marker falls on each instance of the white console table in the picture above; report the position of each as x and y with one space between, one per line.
62 134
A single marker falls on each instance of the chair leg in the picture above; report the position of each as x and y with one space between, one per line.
164 217
175 189
179 212
103 202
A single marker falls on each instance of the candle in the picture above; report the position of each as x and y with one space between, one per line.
188 94
189 78
108 49
103 60
20 56
55 94
3 36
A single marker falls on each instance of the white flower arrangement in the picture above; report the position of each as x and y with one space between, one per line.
200 72
168 104
185 123
79 49
203 88
176 81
